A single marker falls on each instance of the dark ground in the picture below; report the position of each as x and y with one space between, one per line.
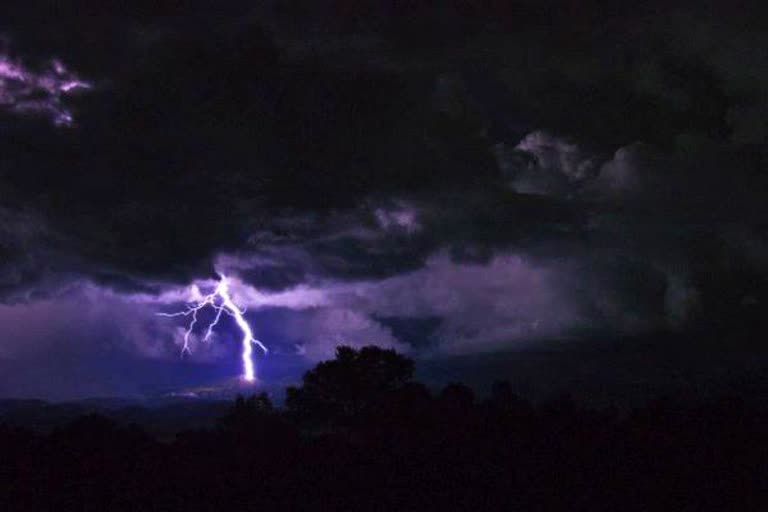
360 434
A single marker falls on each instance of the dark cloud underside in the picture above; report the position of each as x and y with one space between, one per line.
522 171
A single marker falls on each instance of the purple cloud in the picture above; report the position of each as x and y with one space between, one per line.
42 92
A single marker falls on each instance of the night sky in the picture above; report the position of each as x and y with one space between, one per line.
476 187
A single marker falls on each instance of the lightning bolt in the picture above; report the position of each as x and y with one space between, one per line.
221 302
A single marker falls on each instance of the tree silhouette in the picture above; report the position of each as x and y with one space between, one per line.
387 443
353 385
253 419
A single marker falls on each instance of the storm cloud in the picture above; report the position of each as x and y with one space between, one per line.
441 181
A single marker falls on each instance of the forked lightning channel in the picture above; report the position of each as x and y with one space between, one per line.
221 302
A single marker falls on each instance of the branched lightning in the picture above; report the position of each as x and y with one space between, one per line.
221 302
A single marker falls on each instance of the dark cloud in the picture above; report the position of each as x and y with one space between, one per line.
482 175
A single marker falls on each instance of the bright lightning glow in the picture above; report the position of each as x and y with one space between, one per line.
221 301
39 92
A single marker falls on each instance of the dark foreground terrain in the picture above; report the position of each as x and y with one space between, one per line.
360 434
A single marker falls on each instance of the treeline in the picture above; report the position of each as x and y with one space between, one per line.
360 434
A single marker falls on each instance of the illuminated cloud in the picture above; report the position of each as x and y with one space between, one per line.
41 92
402 217
318 332
558 155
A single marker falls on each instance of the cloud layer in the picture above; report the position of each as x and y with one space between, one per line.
499 178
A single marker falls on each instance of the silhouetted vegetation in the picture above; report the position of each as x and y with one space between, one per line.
360 434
